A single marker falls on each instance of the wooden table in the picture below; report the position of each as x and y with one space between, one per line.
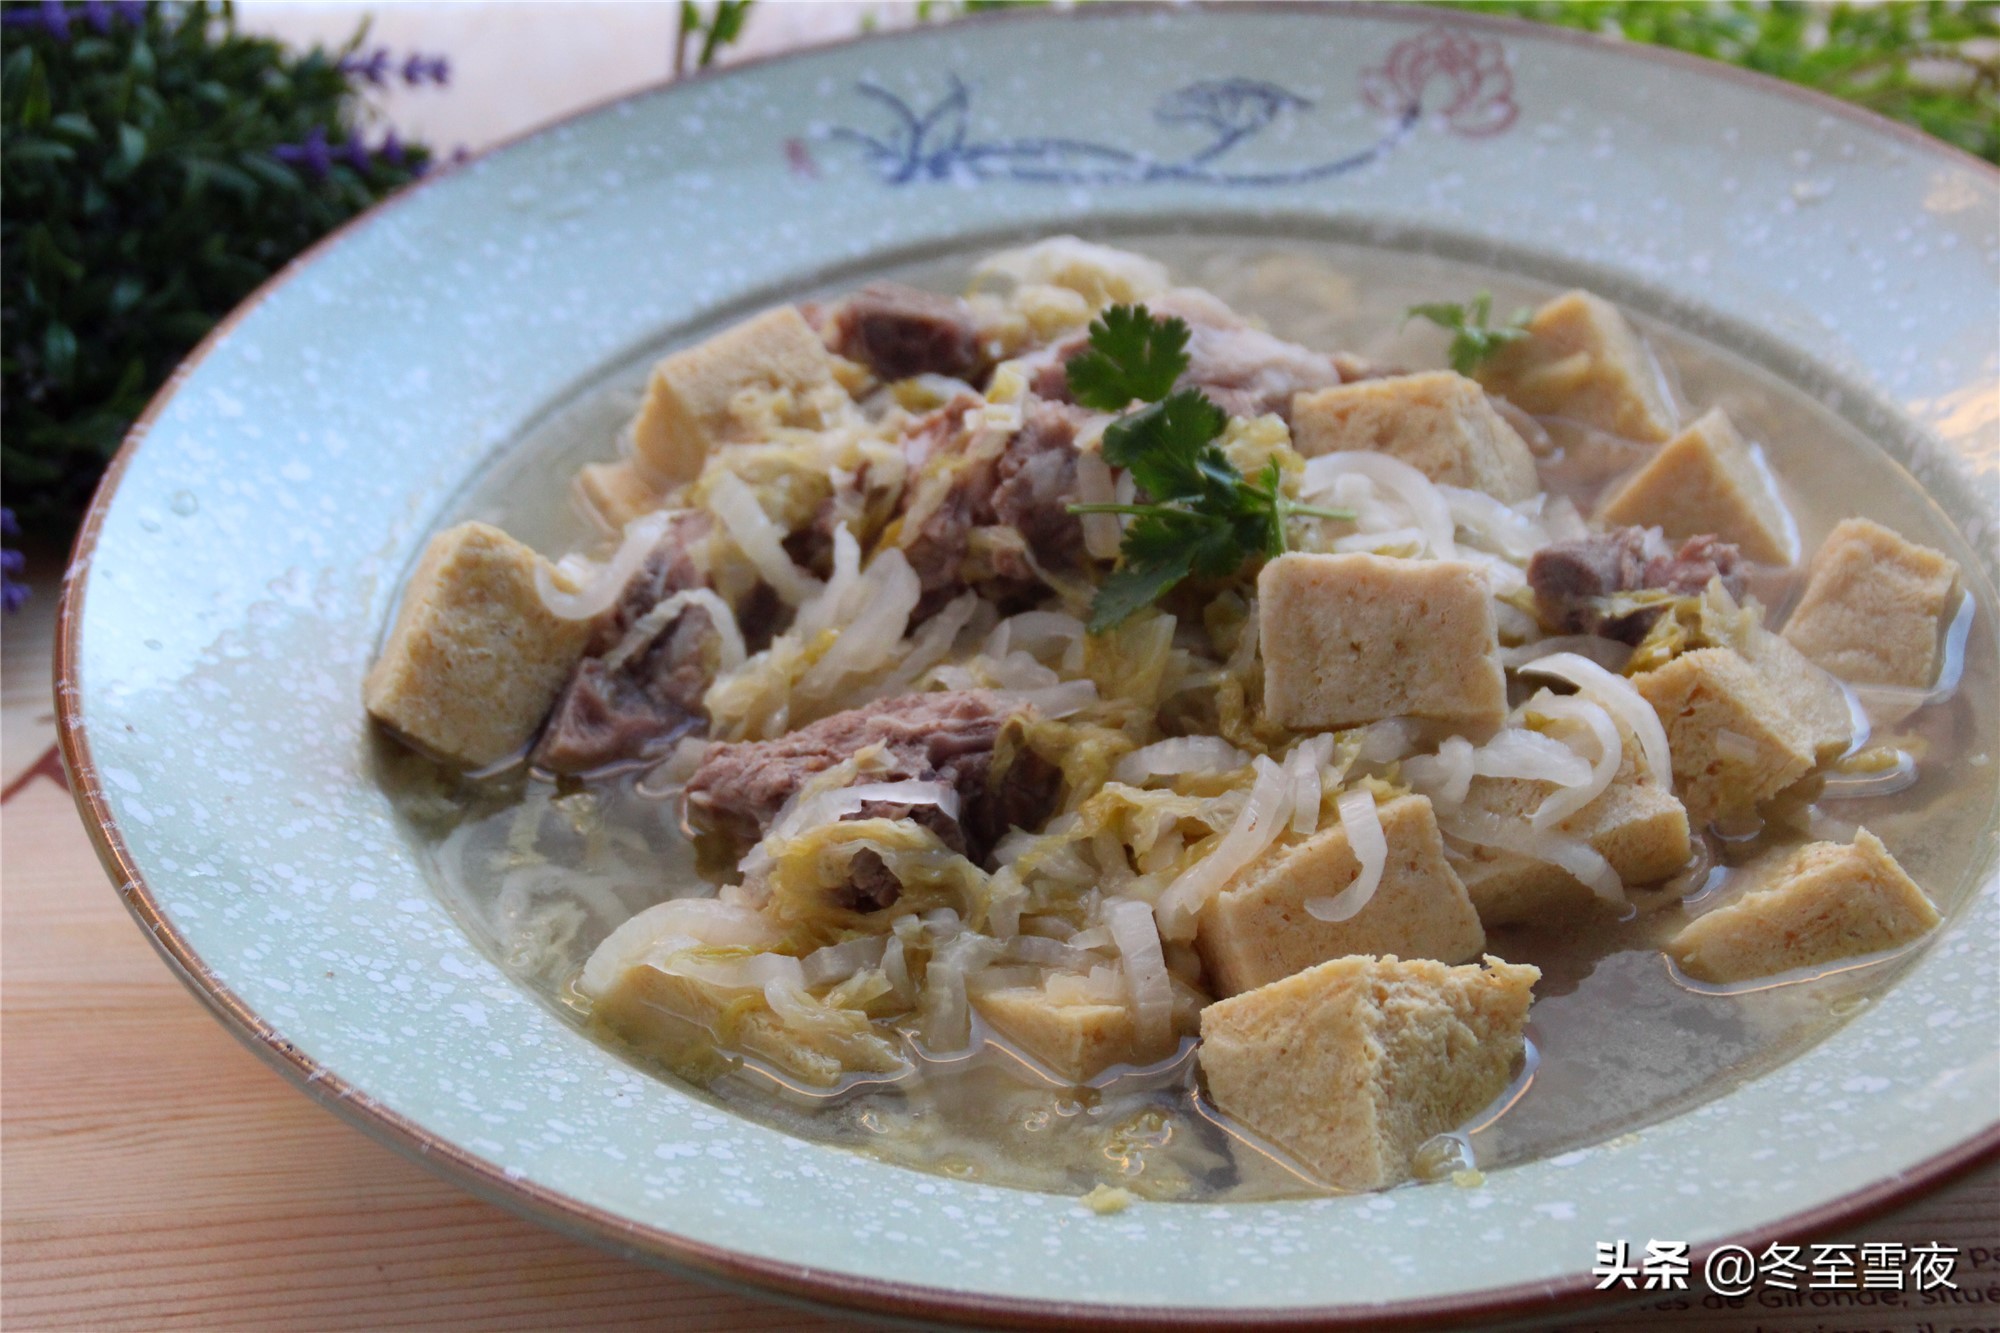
155 1174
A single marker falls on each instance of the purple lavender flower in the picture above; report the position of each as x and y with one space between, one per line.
418 68
355 152
373 67
98 15
313 154
391 150
12 591
50 15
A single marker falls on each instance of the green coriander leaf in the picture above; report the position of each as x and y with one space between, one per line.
1161 548
1444 314
1128 591
1472 341
1202 516
1131 356
1166 446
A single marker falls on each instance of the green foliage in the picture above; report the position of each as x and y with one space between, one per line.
143 202
1472 341
720 27
1928 63
1202 516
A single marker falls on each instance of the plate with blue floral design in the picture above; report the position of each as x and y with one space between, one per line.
242 558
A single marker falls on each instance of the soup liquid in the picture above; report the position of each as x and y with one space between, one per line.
1618 1041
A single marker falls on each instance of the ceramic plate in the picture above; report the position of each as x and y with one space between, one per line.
241 560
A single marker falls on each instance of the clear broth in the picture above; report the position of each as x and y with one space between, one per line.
1618 1041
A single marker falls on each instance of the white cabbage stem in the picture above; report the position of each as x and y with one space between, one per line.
667 928
1102 533
1256 827
730 651
1495 524
838 962
1483 828
760 539
1302 767
1151 992
1207 756
1446 776
1572 796
1363 824
1620 699
1396 479
601 585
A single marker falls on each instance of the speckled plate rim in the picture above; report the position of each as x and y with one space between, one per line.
802 1283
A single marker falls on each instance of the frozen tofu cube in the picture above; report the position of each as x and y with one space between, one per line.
1581 360
1350 1066
1636 825
690 1025
615 492
1708 480
1440 423
761 373
1813 698
474 659
1258 930
1873 606
1079 1039
1822 903
1349 639
1734 743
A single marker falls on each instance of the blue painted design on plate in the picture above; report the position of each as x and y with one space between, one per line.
936 145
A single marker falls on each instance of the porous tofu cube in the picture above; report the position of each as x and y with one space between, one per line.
1350 1066
1824 902
1349 639
1635 824
1707 479
687 1025
1258 930
615 492
1440 423
1581 360
1808 693
474 659
1734 743
1077 1039
1873 606
764 371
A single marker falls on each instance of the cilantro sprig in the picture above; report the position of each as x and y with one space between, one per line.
1202 516
1131 356
1472 341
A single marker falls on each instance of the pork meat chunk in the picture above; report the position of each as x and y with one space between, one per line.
950 738
899 331
610 712
996 510
1036 485
1249 373
1573 579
